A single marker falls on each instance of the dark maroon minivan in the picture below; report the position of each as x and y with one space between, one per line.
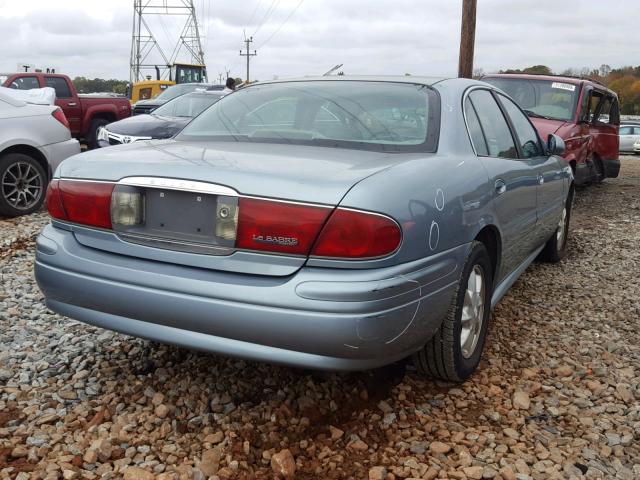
583 112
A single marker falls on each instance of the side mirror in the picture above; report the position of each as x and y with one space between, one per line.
555 145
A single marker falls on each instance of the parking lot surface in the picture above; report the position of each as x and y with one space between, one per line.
557 394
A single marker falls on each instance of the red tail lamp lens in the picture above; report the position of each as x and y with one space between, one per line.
59 115
354 234
53 201
281 227
87 203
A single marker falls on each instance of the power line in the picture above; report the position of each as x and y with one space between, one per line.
282 24
253 14
267 14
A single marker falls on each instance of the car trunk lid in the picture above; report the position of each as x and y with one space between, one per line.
185 185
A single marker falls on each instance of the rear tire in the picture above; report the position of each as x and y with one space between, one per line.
23 183
556 247
599 170
92 138
454 352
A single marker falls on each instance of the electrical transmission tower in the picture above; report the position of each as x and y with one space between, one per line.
147 53
248 41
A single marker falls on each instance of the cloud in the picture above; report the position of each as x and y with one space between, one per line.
93 39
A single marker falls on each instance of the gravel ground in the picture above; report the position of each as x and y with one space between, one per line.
557 395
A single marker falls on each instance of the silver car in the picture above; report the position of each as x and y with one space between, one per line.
629 138
327 223
34 139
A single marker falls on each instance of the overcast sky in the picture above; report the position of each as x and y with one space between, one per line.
92 38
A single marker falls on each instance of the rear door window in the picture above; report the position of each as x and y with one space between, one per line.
527 135
475 130
25 83
59 85
496 130
626 130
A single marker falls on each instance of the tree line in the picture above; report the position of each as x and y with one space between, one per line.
625 81
88 85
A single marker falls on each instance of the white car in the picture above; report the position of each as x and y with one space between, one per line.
629 138
34 139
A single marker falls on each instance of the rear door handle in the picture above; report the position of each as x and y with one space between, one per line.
501 187
72 104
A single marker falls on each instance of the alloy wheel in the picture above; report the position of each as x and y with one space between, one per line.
472 311
562 228
21 185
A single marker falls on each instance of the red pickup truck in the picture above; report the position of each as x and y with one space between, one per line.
583 112
85 113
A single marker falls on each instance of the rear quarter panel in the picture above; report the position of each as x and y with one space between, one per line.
439 201
30 125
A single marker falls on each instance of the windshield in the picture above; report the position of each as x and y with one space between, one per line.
540 98
351 114
189 105
177 90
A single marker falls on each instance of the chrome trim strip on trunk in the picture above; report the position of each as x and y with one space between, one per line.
178 184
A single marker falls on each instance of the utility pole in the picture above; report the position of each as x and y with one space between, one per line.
248 55
467 38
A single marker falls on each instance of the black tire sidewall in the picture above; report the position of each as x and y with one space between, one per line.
92 140
465 367
5 162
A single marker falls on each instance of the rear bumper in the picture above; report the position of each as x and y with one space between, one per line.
316 318
611 168
57 152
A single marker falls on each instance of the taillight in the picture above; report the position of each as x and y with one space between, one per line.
300 229
271 226
59 115
53 200
254 224
356 234
87 203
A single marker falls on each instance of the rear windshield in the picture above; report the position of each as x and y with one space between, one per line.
555 100
189 105
366 115
177 90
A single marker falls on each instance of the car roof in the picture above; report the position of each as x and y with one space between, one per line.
425 80
550 78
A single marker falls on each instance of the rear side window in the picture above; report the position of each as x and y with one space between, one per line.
496 131
524 130
59 85
25 83
475 130
626 130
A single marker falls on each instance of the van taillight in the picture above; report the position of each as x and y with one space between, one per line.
59 115
86 203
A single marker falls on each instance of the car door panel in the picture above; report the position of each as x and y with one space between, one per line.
550 179
513 180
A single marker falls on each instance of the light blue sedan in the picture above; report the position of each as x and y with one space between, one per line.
332 223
